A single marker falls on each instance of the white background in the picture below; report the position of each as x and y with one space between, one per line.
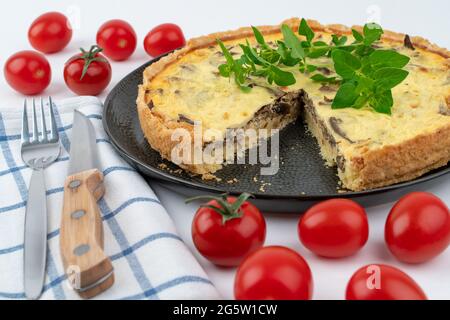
425 18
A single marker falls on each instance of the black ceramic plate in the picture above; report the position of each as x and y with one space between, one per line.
302 179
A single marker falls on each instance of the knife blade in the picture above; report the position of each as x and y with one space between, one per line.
88 269
83 146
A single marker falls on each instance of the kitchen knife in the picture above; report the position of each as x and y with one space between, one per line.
88 269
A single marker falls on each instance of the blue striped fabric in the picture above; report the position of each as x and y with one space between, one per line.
150 260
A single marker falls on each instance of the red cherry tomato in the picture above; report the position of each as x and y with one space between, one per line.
28 72
334 228
163 39
97 75
418 228
224 234
381 282
274 273
50 32
118 39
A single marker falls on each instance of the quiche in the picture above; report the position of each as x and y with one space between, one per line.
369 149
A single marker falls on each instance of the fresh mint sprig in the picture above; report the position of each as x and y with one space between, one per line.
365 74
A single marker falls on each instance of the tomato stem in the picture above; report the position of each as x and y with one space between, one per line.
89 57
227 210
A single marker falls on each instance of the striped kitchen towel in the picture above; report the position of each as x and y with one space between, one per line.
150 260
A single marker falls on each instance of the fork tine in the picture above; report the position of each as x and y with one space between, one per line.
35 127
25 130
43 125
55 134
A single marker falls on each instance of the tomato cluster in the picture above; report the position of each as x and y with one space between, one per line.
231 231
86 73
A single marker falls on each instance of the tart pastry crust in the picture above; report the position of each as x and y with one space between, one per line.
383 157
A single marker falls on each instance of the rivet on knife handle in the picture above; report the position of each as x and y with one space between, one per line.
88 269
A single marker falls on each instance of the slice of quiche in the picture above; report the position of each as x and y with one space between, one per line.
370 149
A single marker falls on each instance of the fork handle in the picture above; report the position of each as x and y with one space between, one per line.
35 244
88 269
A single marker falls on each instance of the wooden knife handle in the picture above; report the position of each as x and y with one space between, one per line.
88 269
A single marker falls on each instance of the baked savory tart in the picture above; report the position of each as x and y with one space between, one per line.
370 149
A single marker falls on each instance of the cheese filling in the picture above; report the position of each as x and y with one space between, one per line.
192 90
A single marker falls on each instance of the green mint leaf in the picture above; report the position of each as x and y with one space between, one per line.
305 30
245 60
388 78
258 36
232 66
226 53
372 33
382 102
334 39
323 79
345 97
387 58
364 84
339 41
270 56
317 53
253 55
366 66
348 48
343 40
248 56
285 55
358 36
311 68
319 49
260 73
292 42
320 44
225 70
245 89
280 77
345 63
305 44
363 50
239 75
361 101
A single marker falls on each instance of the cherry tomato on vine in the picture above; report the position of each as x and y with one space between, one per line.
382 282
28 72
118 39
274 273
50 32
335 228
88 73
163 39
418 228
227 229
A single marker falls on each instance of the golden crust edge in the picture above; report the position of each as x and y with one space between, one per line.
401 162
404 178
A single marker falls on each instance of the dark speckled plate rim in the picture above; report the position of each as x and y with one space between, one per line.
168 178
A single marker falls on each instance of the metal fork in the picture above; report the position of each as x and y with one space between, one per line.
38 150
